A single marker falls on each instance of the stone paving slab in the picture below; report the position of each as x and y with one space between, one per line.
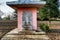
15 31
25 37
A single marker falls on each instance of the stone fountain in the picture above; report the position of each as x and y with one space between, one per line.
30 7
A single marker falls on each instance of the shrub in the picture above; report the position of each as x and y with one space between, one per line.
44 27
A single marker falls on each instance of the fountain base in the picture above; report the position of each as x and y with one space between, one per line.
25 35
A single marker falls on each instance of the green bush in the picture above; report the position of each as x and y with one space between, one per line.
44 27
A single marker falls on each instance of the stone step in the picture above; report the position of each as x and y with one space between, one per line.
25 37
3 27
15 35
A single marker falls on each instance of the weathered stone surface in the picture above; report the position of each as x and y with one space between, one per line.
24 35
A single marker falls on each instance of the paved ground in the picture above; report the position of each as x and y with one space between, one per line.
15 36
54 34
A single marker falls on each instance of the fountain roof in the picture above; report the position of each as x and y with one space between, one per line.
27 3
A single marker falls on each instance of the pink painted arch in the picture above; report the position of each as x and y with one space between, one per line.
34 17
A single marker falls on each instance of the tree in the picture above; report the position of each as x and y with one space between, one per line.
50 10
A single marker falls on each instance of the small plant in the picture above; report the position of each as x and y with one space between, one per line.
44 27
